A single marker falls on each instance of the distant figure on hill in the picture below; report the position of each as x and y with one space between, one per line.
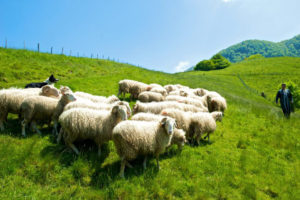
286 99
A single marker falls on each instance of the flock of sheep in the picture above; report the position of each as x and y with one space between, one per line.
163 116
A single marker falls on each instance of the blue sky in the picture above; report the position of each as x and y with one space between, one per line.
165 35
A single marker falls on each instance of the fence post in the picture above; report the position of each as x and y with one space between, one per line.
77 54
91 55
5 43
70 52
51 50
62 51
24 45
38 47
97 56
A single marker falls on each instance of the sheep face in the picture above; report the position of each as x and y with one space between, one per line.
120 111
70 97
180 138
218 116
64 89
200 92
126 104
169 125
183 93
49 90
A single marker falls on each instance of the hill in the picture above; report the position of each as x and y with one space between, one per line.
240 51
254 154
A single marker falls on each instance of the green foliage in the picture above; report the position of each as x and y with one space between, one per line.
254 153
216 62
240 51
256 56
295 91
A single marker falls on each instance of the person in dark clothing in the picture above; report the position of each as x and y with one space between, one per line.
286 100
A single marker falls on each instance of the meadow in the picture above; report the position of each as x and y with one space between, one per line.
254 153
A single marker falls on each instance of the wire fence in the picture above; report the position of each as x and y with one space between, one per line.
62 51
262 94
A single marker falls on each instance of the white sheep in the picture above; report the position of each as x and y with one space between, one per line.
134 138
12 98
85 103
150 96
170 88
187 100
83 123
136 89
179 135
124 86
157 107
183 120
195 124
216 104
179 92
160 90
204 123
97 99
40 108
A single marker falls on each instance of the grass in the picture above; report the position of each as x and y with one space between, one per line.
254 153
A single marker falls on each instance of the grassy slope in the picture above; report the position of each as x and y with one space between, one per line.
254 152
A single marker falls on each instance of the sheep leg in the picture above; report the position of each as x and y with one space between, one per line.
3 117
128 164
207 136
157 162
24 123
99 150
72 146
198 138
59 136
145 163
123 162
55 124
1 125
35 128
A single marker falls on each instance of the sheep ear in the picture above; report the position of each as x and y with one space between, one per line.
176 126
135 106
61 87
163 121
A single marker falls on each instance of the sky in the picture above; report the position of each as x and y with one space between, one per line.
163 35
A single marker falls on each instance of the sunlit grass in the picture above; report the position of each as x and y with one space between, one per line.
254 153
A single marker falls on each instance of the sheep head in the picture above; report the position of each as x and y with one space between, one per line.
120 111
64 89
126 104
49 90
217 116
69 97
168 124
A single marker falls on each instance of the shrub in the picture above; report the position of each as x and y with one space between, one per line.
216 62
256 56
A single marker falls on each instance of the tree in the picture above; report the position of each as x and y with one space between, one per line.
216 62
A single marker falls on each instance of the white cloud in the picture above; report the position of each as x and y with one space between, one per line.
226 1
182 65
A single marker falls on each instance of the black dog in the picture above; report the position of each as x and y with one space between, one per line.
50 81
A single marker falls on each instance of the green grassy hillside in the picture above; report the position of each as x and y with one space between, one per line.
242 50
254 154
